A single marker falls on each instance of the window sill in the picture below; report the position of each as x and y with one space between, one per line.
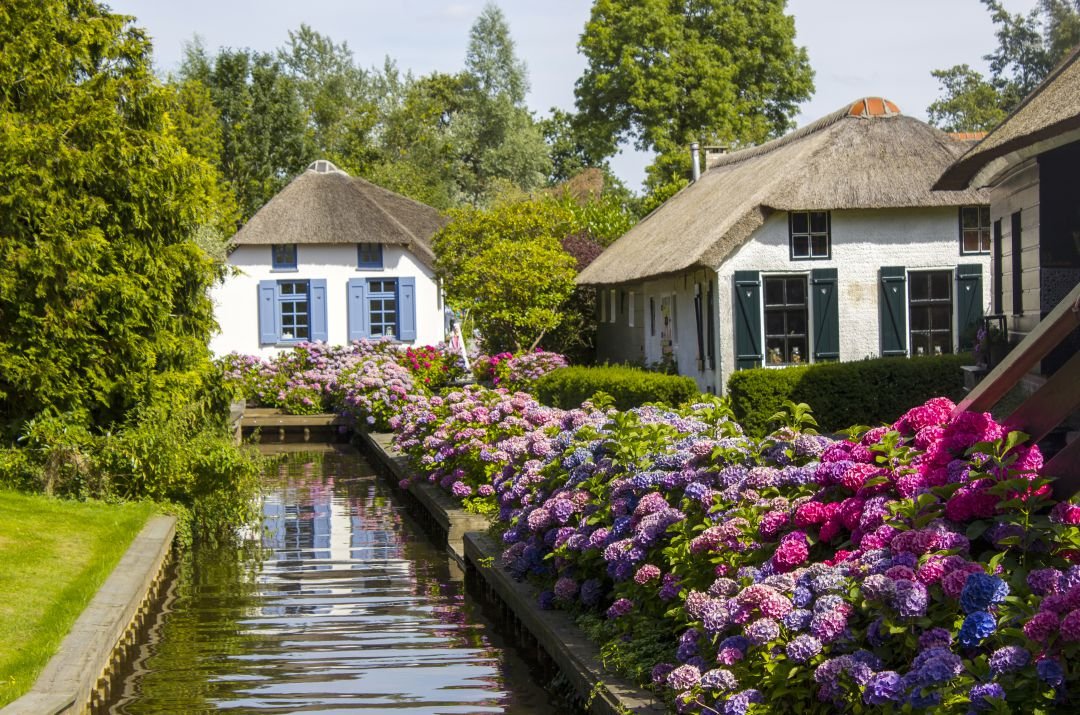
811 258
284 270
370 269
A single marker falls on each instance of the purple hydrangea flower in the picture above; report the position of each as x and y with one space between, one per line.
620 608
762 631
683 678
883 687
803 648
1008 658
910 599
982 692
719 679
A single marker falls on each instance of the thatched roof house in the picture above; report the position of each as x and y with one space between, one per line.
866 155
1048 117
331 258
326 205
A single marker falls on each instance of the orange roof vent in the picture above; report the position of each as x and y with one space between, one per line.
870 107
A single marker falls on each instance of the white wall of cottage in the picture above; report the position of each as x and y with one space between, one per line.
236 301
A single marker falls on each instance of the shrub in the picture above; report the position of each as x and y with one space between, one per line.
868 392
516 372
628 386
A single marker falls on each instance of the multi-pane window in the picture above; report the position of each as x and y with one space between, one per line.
382 308
294 309
786 334
283 256
975 229
930 310
809 234
369 255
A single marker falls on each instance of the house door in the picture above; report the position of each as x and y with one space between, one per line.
667 329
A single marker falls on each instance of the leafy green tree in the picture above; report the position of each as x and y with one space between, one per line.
505 268
1028 48
264 129
494 135
103 297
665 73
969 104
338 96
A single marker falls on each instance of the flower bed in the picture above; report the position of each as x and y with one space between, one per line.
913 567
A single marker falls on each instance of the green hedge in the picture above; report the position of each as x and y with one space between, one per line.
868 392
630 387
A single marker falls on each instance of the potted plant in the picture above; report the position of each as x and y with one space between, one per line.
991 345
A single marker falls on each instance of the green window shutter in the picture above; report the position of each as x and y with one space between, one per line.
826 314
969 302
893 310
748 319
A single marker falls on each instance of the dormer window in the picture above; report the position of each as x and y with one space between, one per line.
283 256
369 256
808 232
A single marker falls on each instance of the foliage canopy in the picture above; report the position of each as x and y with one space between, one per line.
665 74
102 293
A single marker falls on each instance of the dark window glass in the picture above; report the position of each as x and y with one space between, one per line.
809 234
369 255
975 229
931 312
785 320
283 256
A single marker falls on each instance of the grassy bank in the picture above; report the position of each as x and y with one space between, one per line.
54 555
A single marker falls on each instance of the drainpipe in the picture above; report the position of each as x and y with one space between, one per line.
695 167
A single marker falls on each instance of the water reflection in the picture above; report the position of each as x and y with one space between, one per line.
351 609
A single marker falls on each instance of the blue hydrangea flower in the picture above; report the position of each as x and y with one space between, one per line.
982 591
1050 672
977 626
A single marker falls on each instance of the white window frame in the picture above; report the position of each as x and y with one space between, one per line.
630 310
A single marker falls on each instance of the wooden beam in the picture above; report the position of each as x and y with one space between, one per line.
1058 398
1065 465
1047 335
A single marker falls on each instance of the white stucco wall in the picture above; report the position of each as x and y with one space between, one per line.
236 300
862 242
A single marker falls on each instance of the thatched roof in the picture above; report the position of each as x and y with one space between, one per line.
1039 123
326 205
865 155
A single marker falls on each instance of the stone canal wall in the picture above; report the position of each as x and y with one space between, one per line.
555 635
78 678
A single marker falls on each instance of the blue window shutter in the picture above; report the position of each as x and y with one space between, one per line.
268 313
407 308
826 314
969 302
317 298
893 311
748 319
358 328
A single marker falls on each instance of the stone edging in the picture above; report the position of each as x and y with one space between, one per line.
77 677
451 521
577 657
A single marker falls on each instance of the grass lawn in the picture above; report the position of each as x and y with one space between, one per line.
54 554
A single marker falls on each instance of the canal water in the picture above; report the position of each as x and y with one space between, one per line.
339 604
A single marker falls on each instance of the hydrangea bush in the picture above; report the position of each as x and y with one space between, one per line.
516 372
915 567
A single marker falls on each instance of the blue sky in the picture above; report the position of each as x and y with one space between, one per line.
856 47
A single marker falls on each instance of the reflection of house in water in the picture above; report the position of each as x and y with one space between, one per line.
326 544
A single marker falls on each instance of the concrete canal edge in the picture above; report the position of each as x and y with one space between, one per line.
576 657
449 520
77 678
